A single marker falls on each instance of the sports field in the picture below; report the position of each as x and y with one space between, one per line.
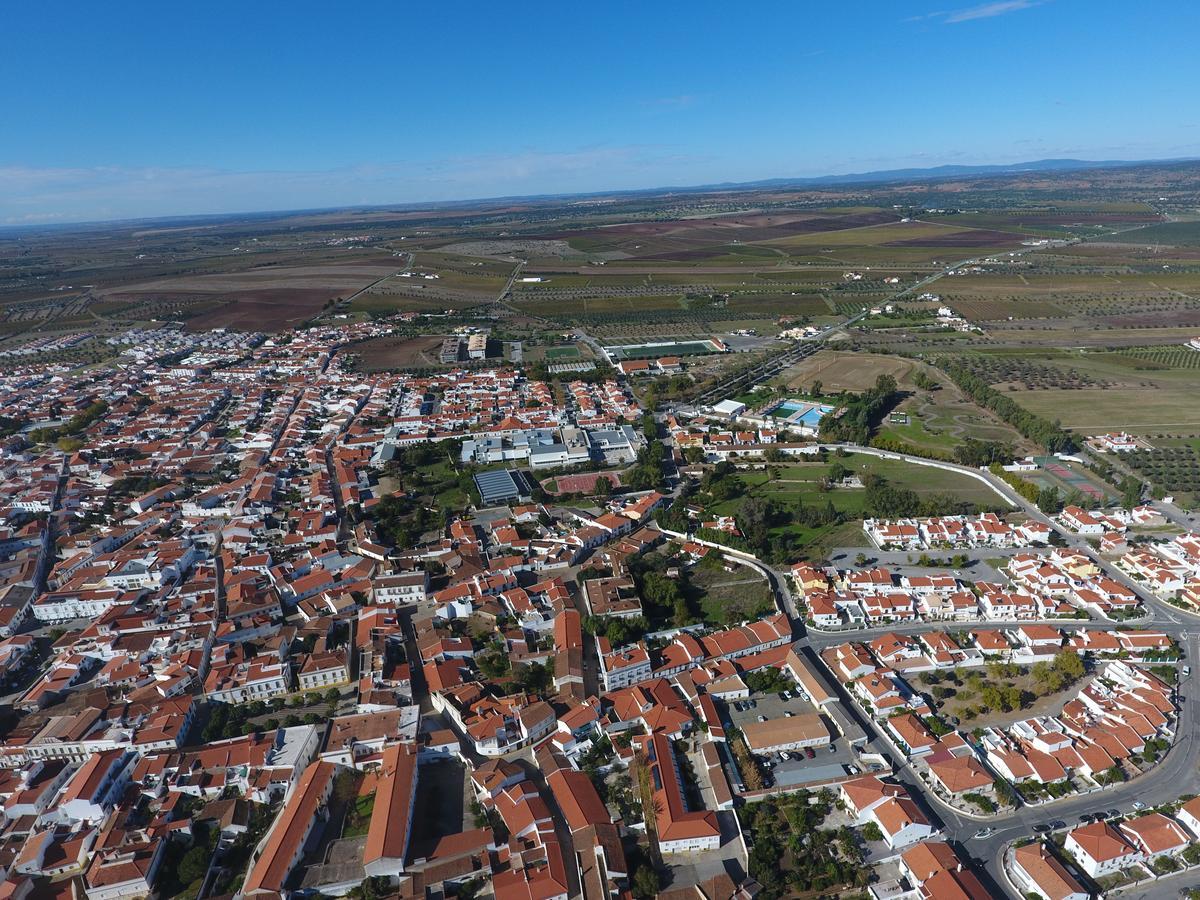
655 351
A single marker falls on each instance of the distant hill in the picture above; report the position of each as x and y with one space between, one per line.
881 177
936 172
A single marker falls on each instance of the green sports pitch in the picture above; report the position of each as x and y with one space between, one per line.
656 351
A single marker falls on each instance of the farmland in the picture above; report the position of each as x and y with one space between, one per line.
1140 390
1117 279
843 371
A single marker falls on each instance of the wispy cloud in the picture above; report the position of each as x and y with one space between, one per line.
983 11
990 10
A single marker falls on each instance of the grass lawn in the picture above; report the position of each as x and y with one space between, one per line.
725 598
802 481
358 816
915 434
1133 410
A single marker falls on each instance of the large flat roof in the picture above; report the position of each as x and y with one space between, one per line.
497 486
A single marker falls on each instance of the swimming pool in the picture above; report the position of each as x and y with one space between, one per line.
800 412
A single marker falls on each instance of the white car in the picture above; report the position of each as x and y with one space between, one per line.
1139 805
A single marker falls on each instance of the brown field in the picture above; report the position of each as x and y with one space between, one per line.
398 352
844 371
667 240
268 298
986 310
262 310
974 237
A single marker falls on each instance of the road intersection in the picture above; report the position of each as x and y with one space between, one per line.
1176 774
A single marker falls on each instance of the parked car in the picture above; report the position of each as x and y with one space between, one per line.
1139 805
808 751
1041 829
762 718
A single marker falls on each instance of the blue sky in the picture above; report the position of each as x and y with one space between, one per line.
116 110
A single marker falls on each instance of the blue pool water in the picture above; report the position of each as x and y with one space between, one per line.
801 412
813 416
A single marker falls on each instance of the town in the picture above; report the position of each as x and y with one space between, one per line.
273 626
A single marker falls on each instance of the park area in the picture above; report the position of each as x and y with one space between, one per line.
809 483
785 508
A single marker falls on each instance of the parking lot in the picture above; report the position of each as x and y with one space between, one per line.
826 764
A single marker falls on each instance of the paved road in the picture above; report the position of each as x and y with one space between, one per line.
1177 773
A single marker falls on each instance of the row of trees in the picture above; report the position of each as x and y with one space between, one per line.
1050 435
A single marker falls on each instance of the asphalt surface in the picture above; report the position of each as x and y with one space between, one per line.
1177 773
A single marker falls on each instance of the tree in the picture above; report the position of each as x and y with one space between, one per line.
1069 664
645 883
1048 500
1131 493
1005 791
494 663
923 382
872 832
194 864
372 888
602 487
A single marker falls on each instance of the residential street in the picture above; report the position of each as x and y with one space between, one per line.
1177 773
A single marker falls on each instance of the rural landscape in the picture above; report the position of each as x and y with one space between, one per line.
798 541
579 452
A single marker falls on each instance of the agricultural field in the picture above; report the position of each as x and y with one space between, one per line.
1178 234
398 352
267 297
1139 390
1171 470
461 282
1147 411
1020 372
1159 358
845 371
